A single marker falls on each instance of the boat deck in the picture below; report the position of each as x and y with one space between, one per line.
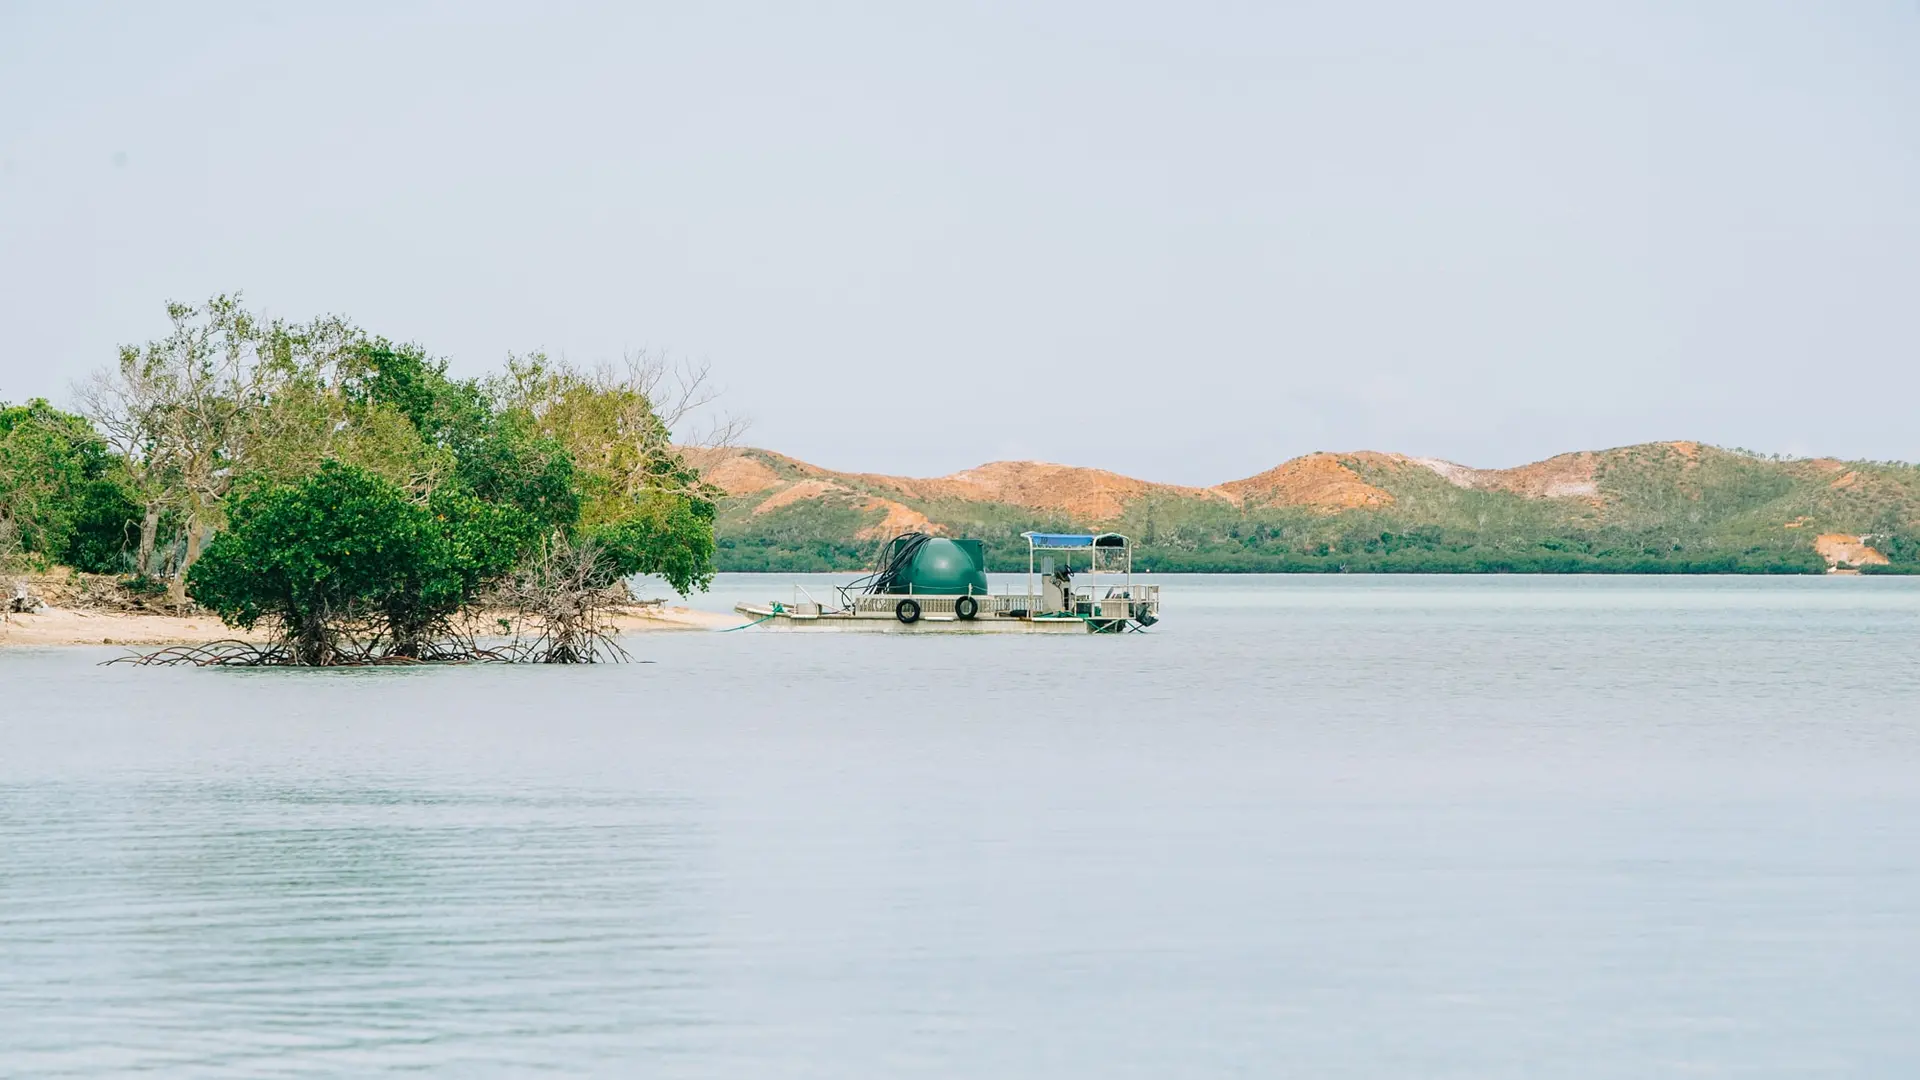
782 616
892 600
1109 610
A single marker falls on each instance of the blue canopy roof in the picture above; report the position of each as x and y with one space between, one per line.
1074 540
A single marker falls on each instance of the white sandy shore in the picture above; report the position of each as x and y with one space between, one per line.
65 626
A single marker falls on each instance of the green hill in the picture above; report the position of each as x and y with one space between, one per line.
1654 508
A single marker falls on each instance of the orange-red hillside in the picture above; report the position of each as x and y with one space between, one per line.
1668 507
1079 493
1318 481
1633 485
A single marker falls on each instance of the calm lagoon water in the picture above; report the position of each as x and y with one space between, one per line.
1313 827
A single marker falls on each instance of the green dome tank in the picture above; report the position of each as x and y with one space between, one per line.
944 567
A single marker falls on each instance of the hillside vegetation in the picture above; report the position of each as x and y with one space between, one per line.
1676 507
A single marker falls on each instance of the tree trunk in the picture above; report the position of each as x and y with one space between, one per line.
407 638
196 532
149 527
313 647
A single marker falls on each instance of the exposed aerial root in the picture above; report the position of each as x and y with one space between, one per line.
539 648
248 654
230 653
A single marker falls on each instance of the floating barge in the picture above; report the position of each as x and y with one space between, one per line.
932 584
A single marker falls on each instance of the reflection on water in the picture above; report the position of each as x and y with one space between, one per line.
1318 827
248 928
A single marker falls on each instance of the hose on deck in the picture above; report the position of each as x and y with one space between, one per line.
778 609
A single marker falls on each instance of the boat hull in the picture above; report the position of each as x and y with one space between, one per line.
767 617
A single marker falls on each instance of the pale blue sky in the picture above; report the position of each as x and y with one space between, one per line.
1183 241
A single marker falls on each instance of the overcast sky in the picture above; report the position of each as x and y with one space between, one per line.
1182 241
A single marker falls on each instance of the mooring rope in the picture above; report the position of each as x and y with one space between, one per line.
778 609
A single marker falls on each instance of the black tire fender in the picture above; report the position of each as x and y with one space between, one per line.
966 607
907 611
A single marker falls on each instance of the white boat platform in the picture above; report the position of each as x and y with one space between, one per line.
891 601
806 616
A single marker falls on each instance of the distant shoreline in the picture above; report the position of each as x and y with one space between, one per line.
61 627
1487 568
1659 570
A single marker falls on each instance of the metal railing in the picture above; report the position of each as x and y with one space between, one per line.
1111 602
990 605
1117 601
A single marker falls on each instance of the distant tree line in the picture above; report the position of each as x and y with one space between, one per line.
817 535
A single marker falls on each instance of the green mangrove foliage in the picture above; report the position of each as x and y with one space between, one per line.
63 495
346 560
345 490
